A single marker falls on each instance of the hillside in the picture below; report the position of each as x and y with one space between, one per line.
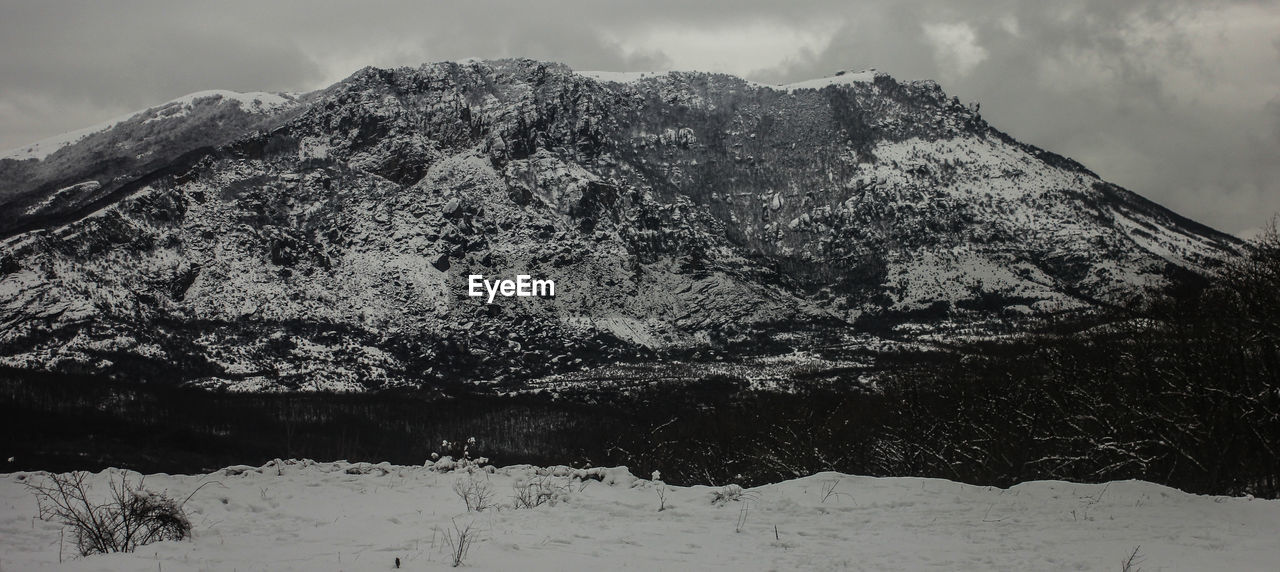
324 241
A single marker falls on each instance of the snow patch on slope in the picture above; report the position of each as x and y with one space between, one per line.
65 194
252 102
843 78
1177 248
45 147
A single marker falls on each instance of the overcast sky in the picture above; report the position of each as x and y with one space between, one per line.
1177 100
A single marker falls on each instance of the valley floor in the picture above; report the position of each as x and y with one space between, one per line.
303 515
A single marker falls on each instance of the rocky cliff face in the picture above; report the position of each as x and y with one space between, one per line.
324 240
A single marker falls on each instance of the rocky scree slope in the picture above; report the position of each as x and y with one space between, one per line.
323 241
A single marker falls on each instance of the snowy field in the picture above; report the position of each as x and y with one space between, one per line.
302 515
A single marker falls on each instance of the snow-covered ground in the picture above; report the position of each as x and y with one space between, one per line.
303 515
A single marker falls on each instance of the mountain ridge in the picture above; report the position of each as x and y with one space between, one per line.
326 244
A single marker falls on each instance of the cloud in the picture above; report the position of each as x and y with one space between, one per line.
741 48
1169 99
1009 23
955 48
1273 109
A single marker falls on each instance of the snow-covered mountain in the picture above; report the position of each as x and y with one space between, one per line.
325 240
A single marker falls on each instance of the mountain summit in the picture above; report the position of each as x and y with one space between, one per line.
325 240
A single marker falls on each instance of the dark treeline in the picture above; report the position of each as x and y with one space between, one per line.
1184 392
60 422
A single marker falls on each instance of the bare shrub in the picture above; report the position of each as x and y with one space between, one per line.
459 540
661 489
538 491
130 516
1131 563
475 491
829 490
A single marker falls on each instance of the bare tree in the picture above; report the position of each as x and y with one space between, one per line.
131 516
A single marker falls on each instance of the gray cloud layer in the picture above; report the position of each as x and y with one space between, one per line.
1175 99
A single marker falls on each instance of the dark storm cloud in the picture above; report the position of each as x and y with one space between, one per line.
86 53
1174 99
